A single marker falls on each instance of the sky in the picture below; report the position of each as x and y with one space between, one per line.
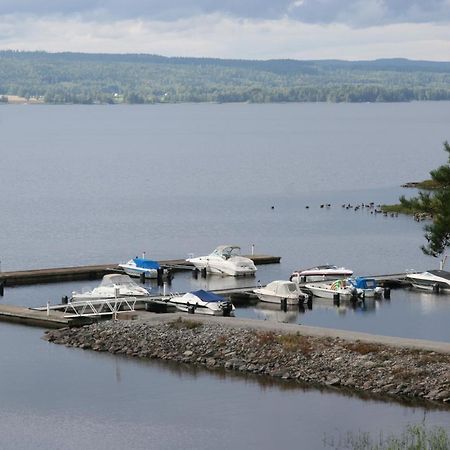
244 29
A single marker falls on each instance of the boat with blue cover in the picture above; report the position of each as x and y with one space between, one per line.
136 266
203 302
367 287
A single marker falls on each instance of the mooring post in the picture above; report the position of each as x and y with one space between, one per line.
159 276
48 308
195 273
387 293
309 301
253 249
436 288
142 277
203 272
64 300
336 299
164 289
2 288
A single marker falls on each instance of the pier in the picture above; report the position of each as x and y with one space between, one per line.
45 319
94 272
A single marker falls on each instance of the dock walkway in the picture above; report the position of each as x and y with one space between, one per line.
27 316
94 272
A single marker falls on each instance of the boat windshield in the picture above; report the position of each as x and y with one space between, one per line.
227 251
114 280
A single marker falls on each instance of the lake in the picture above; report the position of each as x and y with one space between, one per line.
100 184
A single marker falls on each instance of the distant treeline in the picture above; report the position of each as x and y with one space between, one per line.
135 78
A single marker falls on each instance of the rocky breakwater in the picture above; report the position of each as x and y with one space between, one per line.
372 368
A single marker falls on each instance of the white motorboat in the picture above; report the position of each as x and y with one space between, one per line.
137 266
279 291
225 260
203 302
327 289
320 273
367 287
113 286
432 280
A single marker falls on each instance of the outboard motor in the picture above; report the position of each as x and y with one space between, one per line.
227 308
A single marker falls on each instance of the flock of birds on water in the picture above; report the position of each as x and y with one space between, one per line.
418 217
370 206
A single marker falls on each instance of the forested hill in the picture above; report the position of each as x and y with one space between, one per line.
140 78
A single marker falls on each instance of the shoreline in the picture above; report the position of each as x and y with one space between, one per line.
384 366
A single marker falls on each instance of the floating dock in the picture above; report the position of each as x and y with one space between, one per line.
94 272
50 319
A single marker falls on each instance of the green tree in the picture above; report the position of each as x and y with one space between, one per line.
437 204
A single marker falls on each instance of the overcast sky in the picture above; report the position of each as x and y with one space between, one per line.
251 29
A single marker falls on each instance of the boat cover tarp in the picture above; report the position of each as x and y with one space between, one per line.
207 296
282 288
440 273
146 263
363 283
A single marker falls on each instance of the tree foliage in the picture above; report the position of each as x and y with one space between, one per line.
436 204
109 78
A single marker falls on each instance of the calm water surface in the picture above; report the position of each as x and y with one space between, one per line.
100 184
56 397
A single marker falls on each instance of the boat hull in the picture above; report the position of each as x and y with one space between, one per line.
271 298
136 271
323 292
193 309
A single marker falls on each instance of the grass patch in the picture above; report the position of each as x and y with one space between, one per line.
426 185
413 437
180 323
363 348
289 342
266 337
295 343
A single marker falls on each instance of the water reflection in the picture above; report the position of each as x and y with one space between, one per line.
189 371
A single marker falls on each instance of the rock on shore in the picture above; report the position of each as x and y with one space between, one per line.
362 366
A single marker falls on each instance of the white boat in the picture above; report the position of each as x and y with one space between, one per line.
367 287
320 273
328 289
432 280
225 260
136 266
203 302
113 286
277 291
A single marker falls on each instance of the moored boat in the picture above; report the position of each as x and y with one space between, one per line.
203 302
225 260
367 287
113 286
137 266
320 273
327 289
280 291
432 280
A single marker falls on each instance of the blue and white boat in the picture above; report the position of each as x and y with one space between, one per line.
366 287
136 266
203 302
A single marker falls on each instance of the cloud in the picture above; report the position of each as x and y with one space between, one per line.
371 12
350 12
216 35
